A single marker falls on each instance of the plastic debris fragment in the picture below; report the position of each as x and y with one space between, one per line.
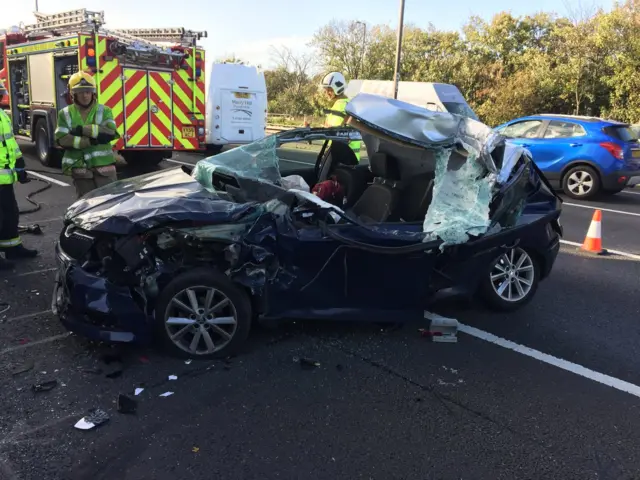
44 386
166 394
138 391
441 329
95 418
173 377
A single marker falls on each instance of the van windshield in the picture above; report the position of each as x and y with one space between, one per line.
460 109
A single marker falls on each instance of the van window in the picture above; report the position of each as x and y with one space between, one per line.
557 129
460 109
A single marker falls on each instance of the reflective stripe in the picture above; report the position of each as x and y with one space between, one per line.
110 124
99 114
6 171
8 136
76 142
12 242
67 116
94 130
62 129
98 153
18 152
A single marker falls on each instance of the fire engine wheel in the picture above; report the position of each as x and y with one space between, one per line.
48 156
139 159
214 149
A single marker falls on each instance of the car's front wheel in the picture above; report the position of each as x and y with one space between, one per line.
202 314
581 182
511 281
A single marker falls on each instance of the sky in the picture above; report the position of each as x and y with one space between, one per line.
250 29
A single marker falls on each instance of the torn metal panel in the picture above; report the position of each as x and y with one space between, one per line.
144 202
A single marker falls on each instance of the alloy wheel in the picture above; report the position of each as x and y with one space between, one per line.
580 183
201 320
512 275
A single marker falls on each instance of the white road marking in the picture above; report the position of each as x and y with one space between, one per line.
179 162
54 338
48 179
630 192
29 315
551 360
616 252
35 272
282 160
600 208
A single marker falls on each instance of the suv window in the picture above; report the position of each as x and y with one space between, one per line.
557 129
524 129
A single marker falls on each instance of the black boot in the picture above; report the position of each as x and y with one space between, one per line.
6 264
18 252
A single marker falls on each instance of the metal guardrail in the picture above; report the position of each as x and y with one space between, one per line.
278 128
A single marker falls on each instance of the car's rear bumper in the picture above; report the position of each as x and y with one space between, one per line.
92 307
618 179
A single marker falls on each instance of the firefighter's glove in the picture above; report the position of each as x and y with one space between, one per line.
105 138
85 143
78 131
22 175
90 131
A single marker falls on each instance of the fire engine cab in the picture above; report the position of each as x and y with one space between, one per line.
151 78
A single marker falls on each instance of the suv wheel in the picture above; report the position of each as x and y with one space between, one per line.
581 182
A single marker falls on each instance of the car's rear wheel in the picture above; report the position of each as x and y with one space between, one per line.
581 182
511 281
202 314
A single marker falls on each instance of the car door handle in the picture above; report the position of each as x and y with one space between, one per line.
575 144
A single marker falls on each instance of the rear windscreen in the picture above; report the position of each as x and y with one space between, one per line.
623 133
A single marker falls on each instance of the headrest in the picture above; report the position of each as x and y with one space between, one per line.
384 166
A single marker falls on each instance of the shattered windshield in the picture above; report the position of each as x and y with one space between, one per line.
255 161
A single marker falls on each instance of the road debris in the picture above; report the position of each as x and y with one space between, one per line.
173 377
138 391
95 418
188 362
22 368
195 449
306 363
127 405
166 394
44 386
441 329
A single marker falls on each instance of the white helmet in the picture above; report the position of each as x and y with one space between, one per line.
334 81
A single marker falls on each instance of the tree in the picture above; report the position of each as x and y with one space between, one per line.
342 46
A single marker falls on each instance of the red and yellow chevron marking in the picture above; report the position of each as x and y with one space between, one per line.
136 108
110 87
182 112
162 119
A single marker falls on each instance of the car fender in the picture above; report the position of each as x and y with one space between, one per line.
575 163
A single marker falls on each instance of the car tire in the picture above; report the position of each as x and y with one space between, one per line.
48 156
576 181
494 289
233 315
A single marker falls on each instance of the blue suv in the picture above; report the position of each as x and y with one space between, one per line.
583 156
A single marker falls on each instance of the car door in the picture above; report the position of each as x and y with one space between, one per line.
561 142
347 270
525 133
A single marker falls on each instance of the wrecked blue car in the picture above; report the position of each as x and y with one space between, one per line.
193 256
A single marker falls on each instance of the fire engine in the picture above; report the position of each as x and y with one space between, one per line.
153 80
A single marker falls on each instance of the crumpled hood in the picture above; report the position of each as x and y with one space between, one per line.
140 203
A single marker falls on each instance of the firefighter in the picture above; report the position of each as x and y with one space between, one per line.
11 169
334 84
85 131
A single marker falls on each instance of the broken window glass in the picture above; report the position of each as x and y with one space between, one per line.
255 161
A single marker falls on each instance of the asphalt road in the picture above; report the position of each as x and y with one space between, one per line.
384 404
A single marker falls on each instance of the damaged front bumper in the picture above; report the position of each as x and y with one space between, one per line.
91 306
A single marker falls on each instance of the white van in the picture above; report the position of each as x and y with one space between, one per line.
439 97
236 100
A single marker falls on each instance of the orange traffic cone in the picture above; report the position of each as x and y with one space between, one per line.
593 240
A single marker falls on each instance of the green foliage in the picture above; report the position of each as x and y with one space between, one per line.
506 67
